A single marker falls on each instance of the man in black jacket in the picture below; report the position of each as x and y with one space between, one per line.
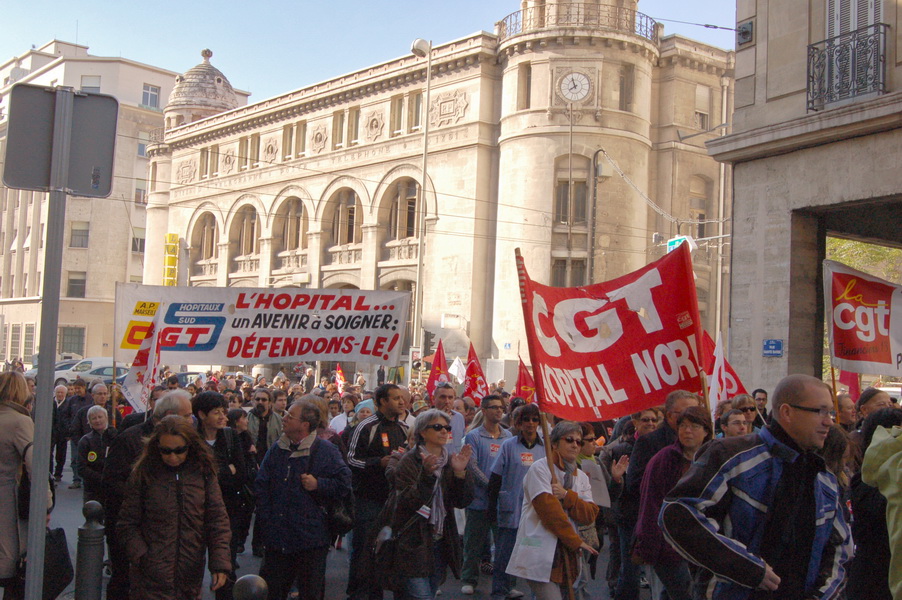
123 453
372 443
69 419
645 448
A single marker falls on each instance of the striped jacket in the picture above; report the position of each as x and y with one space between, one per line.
717 513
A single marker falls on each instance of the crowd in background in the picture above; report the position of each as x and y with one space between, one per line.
444 484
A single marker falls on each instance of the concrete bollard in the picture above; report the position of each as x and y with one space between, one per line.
89 562
250 587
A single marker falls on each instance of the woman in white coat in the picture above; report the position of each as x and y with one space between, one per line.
546 553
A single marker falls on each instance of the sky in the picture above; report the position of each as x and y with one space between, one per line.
272 47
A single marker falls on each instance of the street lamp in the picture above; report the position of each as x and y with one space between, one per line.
422 49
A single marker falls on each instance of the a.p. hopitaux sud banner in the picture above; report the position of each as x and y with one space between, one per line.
610 349
209 325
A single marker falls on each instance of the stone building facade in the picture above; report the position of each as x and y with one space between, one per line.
104 237
815 151
319 187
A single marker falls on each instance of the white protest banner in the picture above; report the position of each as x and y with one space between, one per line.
206 325
864 321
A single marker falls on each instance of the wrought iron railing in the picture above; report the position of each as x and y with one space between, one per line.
589 16
846 66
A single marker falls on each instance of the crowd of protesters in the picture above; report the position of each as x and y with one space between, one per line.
762 499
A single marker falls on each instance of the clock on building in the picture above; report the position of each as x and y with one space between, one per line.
575 86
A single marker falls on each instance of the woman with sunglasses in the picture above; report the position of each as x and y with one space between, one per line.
429 483
694 428
749 408
173 514
547 551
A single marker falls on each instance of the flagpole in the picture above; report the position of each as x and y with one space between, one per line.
833 377
549 454
704 379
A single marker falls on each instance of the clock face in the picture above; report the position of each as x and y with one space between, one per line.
575 87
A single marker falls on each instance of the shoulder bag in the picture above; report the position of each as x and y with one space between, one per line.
340 512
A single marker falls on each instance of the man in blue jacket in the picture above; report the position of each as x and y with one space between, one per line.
298 477
761 511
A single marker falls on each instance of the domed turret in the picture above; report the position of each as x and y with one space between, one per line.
201 92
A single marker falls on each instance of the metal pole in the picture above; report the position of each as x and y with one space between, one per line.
53 258
570 204
421 219
89 561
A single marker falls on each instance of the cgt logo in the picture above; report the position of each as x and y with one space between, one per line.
861 319
185 331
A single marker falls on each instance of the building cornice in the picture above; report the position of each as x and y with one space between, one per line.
883 113
459 55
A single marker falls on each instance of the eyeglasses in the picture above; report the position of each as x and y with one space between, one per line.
493 407
437 427
649 419
572 440
530 420
167 451
588 440
821 412
750 409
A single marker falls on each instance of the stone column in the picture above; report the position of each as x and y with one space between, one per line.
369 256
222 271
315 256
264 271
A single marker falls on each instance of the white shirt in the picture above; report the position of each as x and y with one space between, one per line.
533 552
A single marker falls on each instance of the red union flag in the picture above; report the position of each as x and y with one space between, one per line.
477 389
864 321
439 371
610 349
525 386
729 380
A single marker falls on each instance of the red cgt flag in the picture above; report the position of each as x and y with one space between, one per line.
477 389
732 385
439 371
339 378
525 386
610 349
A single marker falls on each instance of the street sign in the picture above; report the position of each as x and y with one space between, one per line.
674 243
30 141
772 348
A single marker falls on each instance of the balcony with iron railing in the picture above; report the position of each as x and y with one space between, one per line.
847 66
582 16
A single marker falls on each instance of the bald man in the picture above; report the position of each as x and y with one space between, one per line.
793 542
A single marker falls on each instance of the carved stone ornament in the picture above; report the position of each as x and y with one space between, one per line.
319 138
271 150
448 108
187 171
227 161
373 126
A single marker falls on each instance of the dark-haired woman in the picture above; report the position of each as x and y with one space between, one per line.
694 428
210 409
173 514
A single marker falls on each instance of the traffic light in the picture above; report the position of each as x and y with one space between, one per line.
428 337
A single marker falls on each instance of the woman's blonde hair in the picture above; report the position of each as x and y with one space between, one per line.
13 388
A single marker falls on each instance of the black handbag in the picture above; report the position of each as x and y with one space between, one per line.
385 548
23 492
339 513
58 571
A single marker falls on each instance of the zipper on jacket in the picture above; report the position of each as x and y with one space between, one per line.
178 530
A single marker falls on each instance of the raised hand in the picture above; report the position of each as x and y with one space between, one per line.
460 460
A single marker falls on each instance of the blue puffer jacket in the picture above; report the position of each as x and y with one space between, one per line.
717 514
292 519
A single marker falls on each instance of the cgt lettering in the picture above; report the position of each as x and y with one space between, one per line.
867 321
585 325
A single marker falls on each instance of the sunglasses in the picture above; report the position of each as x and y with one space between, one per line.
572 440
649 419
530 420
748 409
588 440
167 451
437 427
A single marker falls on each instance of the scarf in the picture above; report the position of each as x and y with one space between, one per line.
569 470
438 514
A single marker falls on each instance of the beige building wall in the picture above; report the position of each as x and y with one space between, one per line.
499 148
811 156
104 237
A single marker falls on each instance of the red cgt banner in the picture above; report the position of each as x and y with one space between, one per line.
610 349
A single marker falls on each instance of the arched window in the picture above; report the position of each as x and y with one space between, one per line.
346 218
207 237
403 220
248 225
294 225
